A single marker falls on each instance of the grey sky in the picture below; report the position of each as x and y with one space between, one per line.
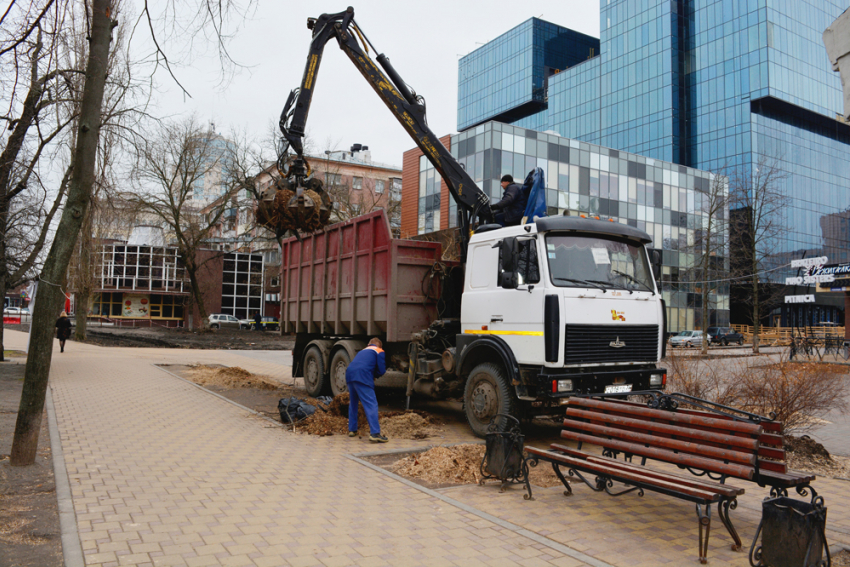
423 41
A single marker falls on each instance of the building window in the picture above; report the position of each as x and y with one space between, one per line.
379 186
333 179
166 306
274 282
357 183
242 285
107 304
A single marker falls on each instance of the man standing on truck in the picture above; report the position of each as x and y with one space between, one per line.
509 211
368 365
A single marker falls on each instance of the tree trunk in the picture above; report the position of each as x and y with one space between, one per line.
84 278
756 319
49 297
706 250
198 296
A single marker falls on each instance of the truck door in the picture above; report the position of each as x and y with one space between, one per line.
517 315
514 315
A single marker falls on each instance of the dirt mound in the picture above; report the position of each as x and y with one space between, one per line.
806 447
456 465
806 454
229 378
398 425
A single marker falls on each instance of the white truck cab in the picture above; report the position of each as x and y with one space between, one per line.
570 306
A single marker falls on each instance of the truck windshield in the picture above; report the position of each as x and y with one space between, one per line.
594 261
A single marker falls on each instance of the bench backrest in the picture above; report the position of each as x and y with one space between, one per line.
771 455
721 446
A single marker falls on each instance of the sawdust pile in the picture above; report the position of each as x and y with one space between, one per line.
807 455
229 378
841 559
441 465
395 425
461 464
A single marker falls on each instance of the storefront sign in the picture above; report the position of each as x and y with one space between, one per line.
840 274
809 262
810 280
136 306
809 298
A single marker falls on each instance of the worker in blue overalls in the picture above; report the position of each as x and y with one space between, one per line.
368 365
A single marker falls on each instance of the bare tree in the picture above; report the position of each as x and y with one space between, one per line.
756 222
710 246
50 295
193 182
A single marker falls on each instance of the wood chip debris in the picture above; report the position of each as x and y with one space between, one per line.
229 377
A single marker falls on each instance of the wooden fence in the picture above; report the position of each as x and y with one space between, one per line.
782 335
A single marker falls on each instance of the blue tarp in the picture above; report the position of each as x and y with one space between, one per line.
536 206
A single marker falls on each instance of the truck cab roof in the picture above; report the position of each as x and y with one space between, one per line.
567 224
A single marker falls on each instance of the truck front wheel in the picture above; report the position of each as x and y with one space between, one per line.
487 393
315 380
339 363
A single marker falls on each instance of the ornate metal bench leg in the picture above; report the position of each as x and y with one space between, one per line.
569 490
704 521
723 508
526 473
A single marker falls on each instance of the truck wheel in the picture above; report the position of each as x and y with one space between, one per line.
487 393
315 380
725 342
339 363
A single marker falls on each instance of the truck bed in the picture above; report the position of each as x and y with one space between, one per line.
354 279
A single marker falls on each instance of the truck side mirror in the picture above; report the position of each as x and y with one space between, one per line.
508 254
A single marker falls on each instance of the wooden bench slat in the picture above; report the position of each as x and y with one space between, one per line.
731 469
713 422
765 465
772 452
725 489
750 443
789 478
770 439
746 458
626 476
775 427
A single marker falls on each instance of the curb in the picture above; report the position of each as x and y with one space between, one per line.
72 549
559 547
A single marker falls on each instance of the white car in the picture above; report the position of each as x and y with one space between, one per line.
221 321
686 339
23 311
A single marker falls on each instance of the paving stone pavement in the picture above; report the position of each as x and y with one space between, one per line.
164 474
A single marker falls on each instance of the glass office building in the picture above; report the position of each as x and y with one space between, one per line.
666 200
725 86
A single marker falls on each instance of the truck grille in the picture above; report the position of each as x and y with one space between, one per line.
588 344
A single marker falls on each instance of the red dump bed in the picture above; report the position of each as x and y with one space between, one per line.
355 279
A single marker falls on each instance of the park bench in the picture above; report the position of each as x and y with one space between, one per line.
705 444
771 467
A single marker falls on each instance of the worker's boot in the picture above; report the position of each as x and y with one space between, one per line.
378 438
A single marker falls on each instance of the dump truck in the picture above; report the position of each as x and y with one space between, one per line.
519 320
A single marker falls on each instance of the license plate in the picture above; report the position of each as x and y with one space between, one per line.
618 389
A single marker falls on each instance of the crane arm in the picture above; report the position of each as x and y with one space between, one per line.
408 109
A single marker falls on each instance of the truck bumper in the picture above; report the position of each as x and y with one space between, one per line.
595 382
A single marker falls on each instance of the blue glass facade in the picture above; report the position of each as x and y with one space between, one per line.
507 78
717 85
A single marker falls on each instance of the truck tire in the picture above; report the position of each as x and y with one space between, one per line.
339 363
315 379
487 393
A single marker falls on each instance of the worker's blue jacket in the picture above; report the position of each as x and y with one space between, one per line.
368 365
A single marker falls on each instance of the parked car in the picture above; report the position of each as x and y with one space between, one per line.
269 323
22 311
687 339
724 336
222 321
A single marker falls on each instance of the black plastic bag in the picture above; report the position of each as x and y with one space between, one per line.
293 410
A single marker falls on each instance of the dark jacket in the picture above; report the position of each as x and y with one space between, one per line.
512 204
63 328
367 365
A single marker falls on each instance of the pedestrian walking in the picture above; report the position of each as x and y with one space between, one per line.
63 330
368 365
258 322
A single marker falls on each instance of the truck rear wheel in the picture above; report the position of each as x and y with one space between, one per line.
487 393
339 363
315 379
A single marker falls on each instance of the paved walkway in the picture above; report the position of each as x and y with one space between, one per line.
164 474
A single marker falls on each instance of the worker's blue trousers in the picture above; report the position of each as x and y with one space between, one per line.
364 394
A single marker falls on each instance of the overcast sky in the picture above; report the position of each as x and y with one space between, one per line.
424 41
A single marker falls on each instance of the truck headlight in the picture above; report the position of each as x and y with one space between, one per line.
565 385
656 379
